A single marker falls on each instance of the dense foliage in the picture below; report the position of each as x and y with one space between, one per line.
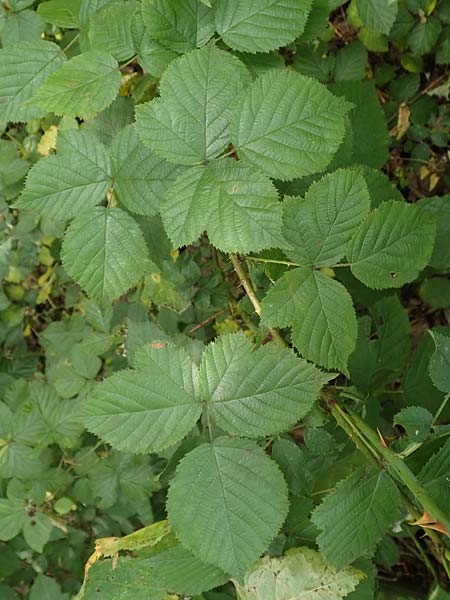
224 249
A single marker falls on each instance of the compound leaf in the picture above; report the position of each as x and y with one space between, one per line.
392 245
76 179
260 26
104 251
254 393
22 70
148 409
141 178
179 25
288 125
301 574
319 226
82 87
189 122
226 503
356 515
236 205
321 313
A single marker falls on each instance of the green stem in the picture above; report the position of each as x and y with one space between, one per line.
248 287
288 263
441 408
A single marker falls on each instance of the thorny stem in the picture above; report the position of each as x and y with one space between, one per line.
248 287
357 429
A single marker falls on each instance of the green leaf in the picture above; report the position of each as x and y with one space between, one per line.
179 25
439 368
151 55
62 13
178 569
90 8
255 393
392 245
321 313
12 518
46 588
319 226
141 178
82 87
383 345
351 62
424 35
108 123
198 90
378 15
288 125
368 132
76 179
104 251
25 26
301 574
149 409
291 460
238 207
110 30
36 531
354 517
434 476
436 292
262 25
416 421
22 71
226 503
440 207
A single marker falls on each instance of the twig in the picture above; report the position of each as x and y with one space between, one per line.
209 319
248 287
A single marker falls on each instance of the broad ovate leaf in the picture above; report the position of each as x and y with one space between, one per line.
141 178
255 393
392 246
321 313
189 123
301 574
237 206
226 503
354 517
319 226
77 178
261 25
179 25
104 251
23 69
288 125
82 87
148 409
